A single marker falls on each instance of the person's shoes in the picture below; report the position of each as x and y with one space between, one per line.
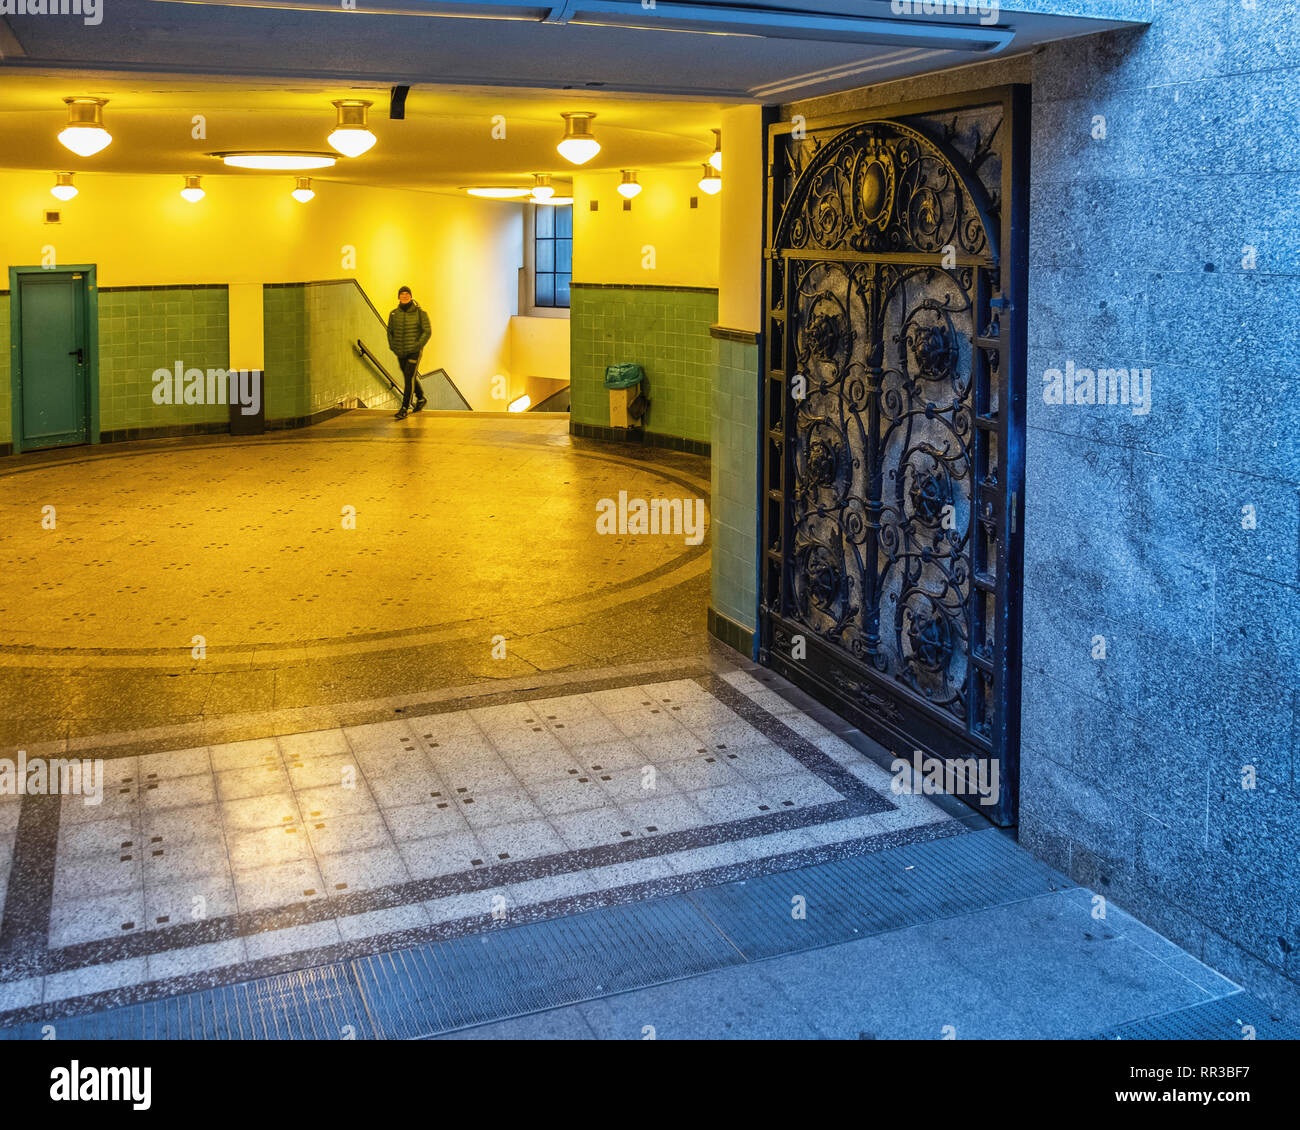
401 414
419 404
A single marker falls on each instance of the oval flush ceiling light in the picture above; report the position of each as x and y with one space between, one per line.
542 188
350 136
192 192
277 160
716 158
498 193
556 201
629 188
710 182
63 188
578 146
85 134
304 192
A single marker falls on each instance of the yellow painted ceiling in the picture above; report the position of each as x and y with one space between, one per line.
444 144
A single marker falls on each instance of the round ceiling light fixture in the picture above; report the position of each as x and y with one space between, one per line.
629 188
710 182
192 191
303 193
63 188
85 134
556 201
276 160
578 146
715 158
542 187
351 136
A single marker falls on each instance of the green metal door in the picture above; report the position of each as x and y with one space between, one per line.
54 358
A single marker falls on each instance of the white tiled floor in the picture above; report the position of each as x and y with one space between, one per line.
258 825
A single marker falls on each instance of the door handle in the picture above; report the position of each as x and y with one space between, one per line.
79 354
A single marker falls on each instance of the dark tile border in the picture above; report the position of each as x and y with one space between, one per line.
169 286
214 427
723 628
166 431
642 286
28 953
724 333
478 924
638 435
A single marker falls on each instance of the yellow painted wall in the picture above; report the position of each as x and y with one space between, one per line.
609 244
460 256
740 276
539 347
247 336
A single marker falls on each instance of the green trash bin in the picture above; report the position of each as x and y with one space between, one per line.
623 376
627 404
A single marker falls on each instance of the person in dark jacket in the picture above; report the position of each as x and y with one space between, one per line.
408 333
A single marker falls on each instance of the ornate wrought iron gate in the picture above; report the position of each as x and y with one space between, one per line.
894 424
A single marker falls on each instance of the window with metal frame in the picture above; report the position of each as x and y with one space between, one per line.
552 255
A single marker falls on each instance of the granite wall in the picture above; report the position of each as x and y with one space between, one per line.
1162 612
1161 707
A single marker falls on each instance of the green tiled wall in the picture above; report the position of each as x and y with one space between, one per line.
735 485
150 328
310 331
284 336
665 330
6 402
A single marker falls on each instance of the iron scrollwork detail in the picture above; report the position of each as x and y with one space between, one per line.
880 323
885 187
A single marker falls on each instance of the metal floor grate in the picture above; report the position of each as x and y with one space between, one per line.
1220 1019
871 894
512 971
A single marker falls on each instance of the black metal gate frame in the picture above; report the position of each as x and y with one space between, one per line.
880 706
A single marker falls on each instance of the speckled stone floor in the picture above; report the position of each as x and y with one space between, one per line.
471 705
466 530
467 718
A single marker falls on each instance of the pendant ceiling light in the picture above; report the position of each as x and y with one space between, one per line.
629 188
85 134
716 159
542 189
304 192
63 188
192 192
710 182
350 136
578 146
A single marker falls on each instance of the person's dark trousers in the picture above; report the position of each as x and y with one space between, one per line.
409 365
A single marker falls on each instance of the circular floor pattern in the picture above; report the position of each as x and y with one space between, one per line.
330 539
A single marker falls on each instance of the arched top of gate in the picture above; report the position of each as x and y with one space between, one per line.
883 186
